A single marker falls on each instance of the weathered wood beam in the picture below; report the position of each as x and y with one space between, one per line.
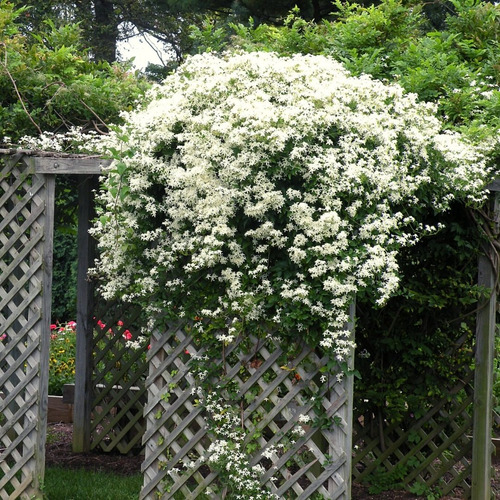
45 162
482 447
46 304
84 324
88 165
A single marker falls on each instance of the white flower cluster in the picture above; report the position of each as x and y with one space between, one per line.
227 452
272 189
74 140
138 343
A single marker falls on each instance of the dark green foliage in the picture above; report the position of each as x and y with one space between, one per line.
64 276
383 480
413 348
65 250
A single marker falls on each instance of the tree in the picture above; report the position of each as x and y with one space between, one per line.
49 83
97 20
261 11
104 23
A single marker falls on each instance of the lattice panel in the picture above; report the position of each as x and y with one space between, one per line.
25 227
118 379
434 451
274 393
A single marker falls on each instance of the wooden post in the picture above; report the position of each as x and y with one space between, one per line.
84 324
350 397
48 254
482 447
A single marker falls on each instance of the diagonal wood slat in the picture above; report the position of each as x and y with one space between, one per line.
434 451
118 375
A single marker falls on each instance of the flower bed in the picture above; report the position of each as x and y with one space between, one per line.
62 356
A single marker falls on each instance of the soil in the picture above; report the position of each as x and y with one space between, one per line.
59 454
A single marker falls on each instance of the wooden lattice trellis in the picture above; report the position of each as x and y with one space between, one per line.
26 221
315 464
433 451
119 371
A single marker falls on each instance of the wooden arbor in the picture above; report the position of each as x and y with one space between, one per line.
26 220
27 196
27 186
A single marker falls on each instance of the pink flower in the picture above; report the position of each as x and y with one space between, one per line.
3 337
72 325
120 323
53 326
127 335
101 324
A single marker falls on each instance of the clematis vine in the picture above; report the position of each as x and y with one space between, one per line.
261 191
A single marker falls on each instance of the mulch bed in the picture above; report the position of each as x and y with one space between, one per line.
59 454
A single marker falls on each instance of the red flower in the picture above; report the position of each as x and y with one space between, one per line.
72 325
127 335
120 323
101 324
53 326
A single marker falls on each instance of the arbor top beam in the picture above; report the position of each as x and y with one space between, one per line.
60 163
85 165
46 162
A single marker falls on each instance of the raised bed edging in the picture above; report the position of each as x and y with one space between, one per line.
59 411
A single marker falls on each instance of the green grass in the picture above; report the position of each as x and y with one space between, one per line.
81 484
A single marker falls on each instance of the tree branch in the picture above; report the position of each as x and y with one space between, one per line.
4 64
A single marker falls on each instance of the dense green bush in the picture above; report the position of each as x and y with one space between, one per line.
49 83
65 259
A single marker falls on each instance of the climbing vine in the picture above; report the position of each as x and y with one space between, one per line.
253 189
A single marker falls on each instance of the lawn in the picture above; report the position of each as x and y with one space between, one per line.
81 484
